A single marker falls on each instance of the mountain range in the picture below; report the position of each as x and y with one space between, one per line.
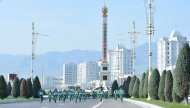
52 62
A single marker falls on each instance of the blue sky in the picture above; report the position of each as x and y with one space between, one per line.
77 24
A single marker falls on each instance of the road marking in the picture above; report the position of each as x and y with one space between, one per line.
97 105
44 107
61 104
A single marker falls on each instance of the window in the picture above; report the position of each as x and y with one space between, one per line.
105 68
104 77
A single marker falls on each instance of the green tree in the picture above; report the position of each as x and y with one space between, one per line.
114 86
131 85
145 89
15 88
36 87
142 86
126 86
20 83
168 86
161 94
9 88
24 89
182 73
136 88
154 84
29 84
3 88
175 97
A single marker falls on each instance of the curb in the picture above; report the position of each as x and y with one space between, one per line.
143 104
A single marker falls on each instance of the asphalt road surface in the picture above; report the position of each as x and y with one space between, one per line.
89 103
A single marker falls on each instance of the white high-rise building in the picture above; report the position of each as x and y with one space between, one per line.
86 72
168 50
53 82
120 62
69 74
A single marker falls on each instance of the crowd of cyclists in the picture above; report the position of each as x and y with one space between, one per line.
79 95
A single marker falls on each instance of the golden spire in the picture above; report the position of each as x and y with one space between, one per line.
104 9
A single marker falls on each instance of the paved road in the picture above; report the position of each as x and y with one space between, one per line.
90 103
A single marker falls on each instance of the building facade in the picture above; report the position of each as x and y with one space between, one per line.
120 62
168 50
86 72
69 74
52 82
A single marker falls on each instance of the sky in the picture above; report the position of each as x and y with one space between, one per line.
77 24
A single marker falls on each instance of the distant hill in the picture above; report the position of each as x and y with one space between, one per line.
142 57
53 61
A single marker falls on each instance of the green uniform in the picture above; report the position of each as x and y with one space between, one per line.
60 95
40 93
64 95
101 95
50 95
55 93
84 95
116 94
80 95
93 95
106 95
76 96
121 94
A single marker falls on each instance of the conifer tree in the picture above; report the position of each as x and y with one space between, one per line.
126 86
168 86
182 73
162 86
131 85
141 87
136 88
15 88
154 84
3 88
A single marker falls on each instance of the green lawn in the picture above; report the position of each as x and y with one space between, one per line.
164 104
14 99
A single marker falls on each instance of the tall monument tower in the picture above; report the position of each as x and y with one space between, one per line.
104 74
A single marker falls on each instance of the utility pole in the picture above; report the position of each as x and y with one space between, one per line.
34 40
42 76
133 46
133 37
150 4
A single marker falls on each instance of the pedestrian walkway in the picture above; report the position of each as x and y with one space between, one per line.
143 104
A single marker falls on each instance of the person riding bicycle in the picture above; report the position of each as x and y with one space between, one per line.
101 93
121 94
49 95
40 93
55 94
